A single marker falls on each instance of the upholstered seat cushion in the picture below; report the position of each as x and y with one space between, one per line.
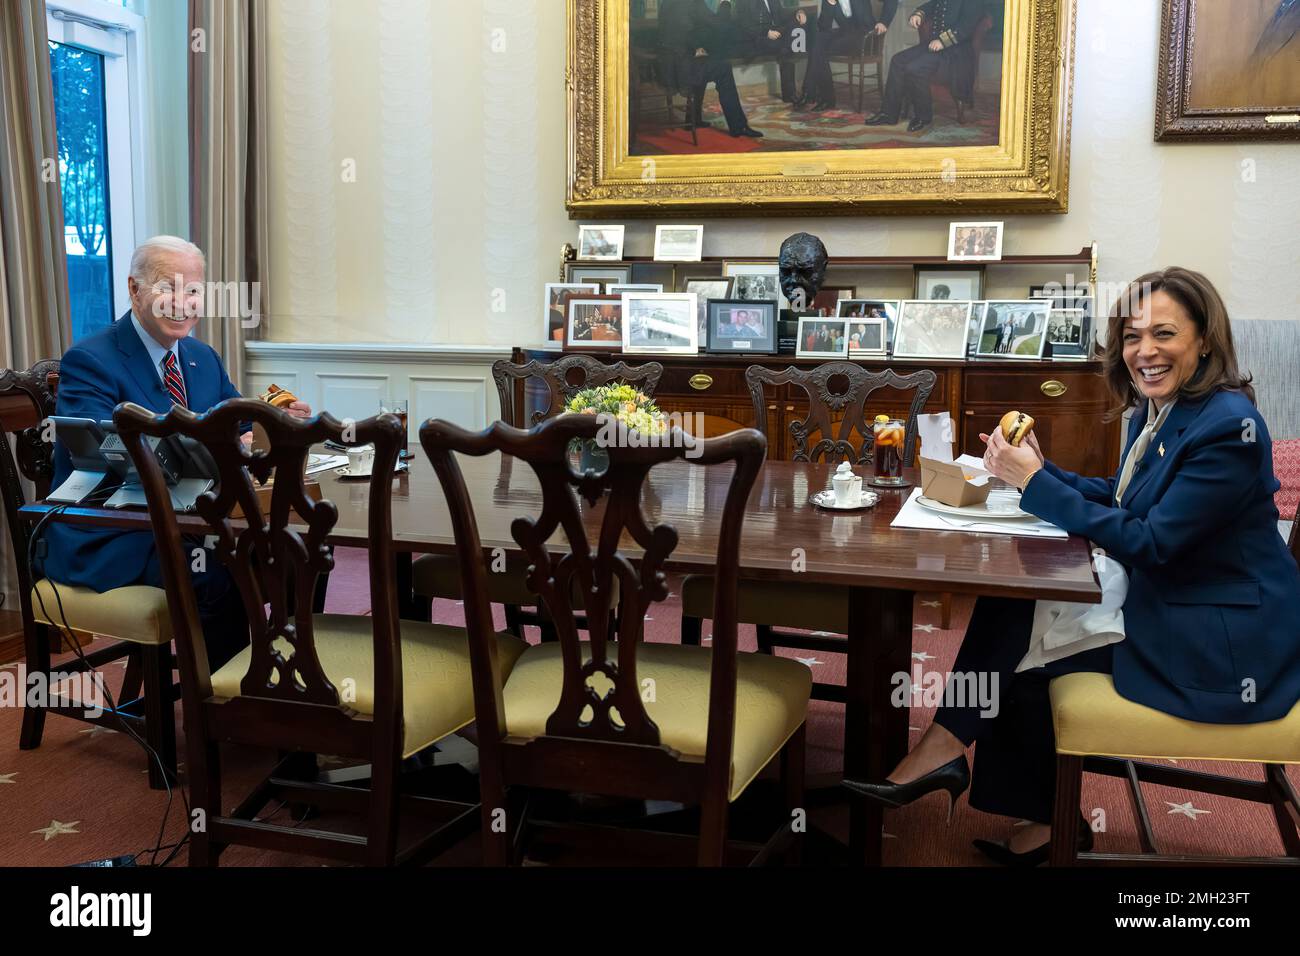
1091 718
437 695
816 607
771 700
136 613
438 576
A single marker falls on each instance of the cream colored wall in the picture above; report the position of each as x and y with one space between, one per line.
453 112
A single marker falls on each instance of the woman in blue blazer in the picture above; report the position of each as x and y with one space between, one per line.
1212 615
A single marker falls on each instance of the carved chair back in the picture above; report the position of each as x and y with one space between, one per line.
599 738
565 378
839 388
275 551
27 400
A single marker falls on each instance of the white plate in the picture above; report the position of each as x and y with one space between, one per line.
998 506
345 472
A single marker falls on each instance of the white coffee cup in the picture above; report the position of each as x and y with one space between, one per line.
361 459
847 487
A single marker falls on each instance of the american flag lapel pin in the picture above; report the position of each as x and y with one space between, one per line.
1161 449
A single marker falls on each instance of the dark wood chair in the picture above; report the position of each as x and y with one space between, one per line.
620 718
837 397
438 576
58 616
369 687
1098 731
925 33
871 54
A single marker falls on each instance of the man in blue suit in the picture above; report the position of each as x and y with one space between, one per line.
148 357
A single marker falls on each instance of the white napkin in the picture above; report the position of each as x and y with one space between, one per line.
912 515
1062 629
935 432
317 463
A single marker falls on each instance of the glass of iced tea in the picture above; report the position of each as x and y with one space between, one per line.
399 408
888 450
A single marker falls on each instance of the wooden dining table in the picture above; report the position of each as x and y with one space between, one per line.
786 538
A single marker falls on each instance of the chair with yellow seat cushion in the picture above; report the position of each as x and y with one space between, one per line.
365 688
838 395
437 698
136 618
620 717
1099 731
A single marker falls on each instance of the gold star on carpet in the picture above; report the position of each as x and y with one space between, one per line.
96 730
8 777
57 828
931 604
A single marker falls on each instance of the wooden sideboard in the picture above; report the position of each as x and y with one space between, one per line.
1067 400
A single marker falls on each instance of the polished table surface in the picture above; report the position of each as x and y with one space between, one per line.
785 538
857 549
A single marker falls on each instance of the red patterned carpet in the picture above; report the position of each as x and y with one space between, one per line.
83 795
786 129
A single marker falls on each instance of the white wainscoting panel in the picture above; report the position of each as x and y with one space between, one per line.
349 381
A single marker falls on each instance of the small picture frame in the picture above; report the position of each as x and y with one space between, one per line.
555 310
823 338
739 325
1069 335
595 324
706 288
932 328
679 243
660 323
949 282
886 309
868 337
1013 329
974 241
618 288
826 301
756 281
601 275
600 243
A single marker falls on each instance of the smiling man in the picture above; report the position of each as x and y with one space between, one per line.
148 357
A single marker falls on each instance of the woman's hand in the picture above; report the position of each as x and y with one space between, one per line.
1013 464
1032 441
299 409
915 21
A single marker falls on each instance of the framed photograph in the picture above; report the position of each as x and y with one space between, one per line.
826 301
1069 334
555 310
604 276
600 243
868 336
939 282
755 281
617 288
932 328
1013 328
974 241
1062 297
738 325
1227 71
679 243
595 323
822 338
1011 139
660 323
706 288
886 309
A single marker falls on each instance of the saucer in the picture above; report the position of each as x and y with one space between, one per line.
891 485
826 501
345 472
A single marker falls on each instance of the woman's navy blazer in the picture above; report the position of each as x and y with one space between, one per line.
1212 616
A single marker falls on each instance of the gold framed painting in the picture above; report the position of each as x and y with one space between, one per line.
1228 70
678 107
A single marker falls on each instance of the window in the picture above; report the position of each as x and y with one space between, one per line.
94 72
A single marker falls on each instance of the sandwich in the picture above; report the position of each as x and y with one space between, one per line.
279 397
1015 426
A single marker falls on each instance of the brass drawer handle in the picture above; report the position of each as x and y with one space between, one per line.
1053 389
701 382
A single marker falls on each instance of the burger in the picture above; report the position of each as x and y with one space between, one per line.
1015 426
279 397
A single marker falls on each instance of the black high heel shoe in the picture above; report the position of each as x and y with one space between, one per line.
953 777
1003 854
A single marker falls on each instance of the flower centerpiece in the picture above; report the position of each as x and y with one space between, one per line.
632 409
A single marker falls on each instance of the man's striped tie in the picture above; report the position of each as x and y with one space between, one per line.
172 380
